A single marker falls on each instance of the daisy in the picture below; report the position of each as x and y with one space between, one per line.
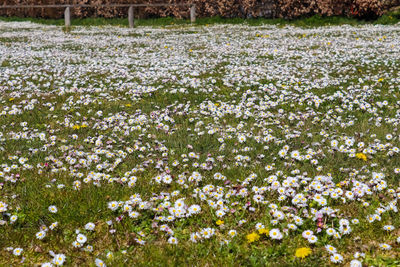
385 246
173 240
220 213
81 238
194 237
232 233
76 244
40 235
388 228
53 225
53 209
330 249
90 226
59 259
307 234
355 263
17 251
100 263
241 138
113 205
13 218
312 239
275 234
330 231
109 255
336 258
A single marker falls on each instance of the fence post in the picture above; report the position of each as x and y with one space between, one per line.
193 13
67 17
130 17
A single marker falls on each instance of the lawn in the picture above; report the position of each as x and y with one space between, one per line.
241 144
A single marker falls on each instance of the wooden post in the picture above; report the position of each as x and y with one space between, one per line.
67 17
130 17
193 13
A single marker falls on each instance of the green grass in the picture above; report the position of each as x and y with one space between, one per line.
246 61
314 21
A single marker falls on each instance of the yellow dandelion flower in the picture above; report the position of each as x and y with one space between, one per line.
219 222
361 156
302 252
263 231
252 237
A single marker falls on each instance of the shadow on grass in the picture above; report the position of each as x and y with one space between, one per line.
314 21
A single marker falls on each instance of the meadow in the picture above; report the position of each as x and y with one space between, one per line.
199 145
